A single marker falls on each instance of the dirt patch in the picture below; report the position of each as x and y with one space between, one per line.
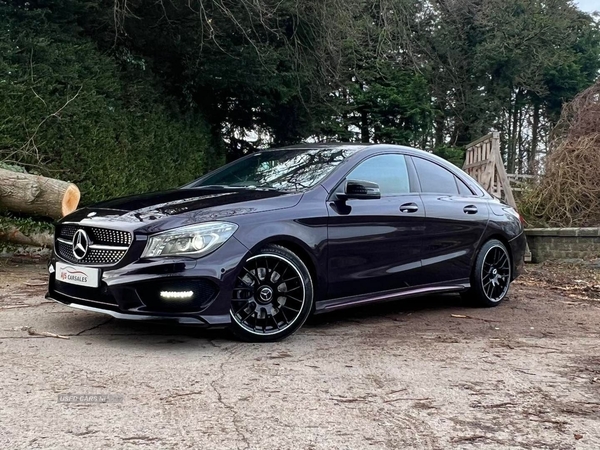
427 373
579 280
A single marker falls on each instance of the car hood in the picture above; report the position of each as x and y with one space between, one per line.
159 211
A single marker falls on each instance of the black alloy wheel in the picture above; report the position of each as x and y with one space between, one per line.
272 297
491 275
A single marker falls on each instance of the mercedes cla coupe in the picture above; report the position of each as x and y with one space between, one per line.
262 243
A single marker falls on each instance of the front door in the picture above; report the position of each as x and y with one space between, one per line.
374 245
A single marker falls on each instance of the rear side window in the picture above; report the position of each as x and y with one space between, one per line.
463 189
435 179
388 171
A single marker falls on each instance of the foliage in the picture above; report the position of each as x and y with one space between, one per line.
568 194
429 74
456 155
507 65
128 95
12 167
25 225
69 112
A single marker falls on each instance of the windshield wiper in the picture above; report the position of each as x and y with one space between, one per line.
215 186
267 188
248 187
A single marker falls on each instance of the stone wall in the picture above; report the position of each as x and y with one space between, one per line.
563 243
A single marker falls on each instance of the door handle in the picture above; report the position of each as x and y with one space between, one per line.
409 208
470 209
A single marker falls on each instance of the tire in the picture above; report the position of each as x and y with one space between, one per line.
273 296
491 275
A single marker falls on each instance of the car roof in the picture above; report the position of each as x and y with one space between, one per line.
323 146
356 146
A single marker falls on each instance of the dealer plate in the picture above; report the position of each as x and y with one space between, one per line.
81 276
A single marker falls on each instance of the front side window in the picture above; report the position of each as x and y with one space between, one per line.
435 179
388 171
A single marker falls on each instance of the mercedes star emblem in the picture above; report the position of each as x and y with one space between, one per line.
81 244
266 294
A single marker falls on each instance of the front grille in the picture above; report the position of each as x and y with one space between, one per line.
106 246
99 235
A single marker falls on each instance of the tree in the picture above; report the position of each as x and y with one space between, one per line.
69 111
434 74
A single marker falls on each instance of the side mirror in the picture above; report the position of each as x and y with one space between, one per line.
360 190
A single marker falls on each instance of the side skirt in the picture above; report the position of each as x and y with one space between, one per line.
386 296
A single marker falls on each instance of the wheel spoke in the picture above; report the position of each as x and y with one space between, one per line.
249 315
502 258
256 270
275 266
284 316
498 290
243 288
284 271
242 308
487 290
291 309
292 290
255 277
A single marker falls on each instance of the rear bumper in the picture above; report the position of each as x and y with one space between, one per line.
518 247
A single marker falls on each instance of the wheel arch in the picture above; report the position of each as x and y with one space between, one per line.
303 251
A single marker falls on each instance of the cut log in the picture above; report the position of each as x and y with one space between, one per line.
12 235
36 195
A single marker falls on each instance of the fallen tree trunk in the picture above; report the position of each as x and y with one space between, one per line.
13 235
36 195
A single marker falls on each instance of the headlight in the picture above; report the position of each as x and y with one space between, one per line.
194 240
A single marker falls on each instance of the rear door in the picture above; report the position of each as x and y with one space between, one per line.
455 220
374 245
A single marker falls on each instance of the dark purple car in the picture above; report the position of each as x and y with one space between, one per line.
260 244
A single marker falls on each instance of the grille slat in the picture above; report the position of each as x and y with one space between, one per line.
97 236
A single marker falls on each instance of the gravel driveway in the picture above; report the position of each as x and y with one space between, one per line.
428 373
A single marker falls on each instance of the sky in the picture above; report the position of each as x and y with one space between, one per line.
589 5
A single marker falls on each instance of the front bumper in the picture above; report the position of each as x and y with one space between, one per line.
132 291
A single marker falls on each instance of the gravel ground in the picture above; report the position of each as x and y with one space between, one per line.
425 374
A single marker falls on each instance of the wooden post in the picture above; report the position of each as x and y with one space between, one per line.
483 162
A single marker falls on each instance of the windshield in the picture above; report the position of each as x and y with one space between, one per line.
283 170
